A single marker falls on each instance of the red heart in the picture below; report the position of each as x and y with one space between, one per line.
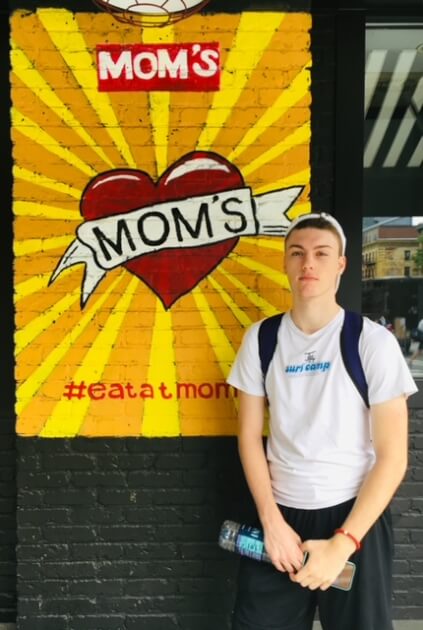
174 272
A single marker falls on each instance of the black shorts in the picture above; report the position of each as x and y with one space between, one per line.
268 600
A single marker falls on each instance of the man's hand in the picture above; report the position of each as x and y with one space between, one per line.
326 560
283 545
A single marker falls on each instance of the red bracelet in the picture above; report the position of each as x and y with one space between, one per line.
345 532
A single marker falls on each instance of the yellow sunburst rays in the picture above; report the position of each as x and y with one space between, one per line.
31 286
36 245
239 314
43 211
301 135
42 180
36 326
240 64
263 270
299 209
64 32
32 131
161 413
265 307
222 347
68 415
159 102
31 386
288 98
161 416
29 75
296 179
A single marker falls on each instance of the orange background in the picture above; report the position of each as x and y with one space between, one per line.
64 133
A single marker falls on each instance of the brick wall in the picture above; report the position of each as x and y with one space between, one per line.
121 534
407 511
7 523
7 422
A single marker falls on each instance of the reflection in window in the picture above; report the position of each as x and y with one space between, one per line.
392 257
392 291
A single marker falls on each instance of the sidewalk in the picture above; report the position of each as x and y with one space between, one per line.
398 625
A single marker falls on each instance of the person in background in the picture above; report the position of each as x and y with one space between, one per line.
331 465
411 322
382 320
419 350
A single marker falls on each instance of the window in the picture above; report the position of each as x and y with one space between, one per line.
393 183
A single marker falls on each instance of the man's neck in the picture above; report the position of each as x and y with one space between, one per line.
311 317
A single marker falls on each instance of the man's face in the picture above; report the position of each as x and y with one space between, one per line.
313 262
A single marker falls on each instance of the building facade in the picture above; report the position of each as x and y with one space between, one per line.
139 147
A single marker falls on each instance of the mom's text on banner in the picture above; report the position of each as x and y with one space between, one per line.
106 243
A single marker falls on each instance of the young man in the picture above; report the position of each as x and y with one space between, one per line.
331 463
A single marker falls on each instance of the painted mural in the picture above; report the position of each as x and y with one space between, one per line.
155 173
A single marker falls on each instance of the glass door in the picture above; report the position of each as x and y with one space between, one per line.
392 256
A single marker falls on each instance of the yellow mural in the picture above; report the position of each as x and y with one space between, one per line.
125 363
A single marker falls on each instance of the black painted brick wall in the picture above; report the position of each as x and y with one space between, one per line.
122 534
7 523
407 511
323 49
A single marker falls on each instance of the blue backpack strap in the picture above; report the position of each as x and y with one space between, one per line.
267 340
350 336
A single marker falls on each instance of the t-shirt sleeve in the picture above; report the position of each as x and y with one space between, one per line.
246 373
387 373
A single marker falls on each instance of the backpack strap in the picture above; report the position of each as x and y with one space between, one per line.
349 340
267 340
350 336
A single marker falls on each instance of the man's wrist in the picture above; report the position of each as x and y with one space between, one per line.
271 516
344 544
345 532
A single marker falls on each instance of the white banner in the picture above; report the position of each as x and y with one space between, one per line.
108 242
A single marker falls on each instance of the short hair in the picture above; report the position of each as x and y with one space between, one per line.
320 221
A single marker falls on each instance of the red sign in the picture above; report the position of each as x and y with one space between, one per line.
166 67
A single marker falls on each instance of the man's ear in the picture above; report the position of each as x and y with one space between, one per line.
342 264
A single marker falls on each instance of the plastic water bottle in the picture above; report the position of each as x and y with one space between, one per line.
249 541
243 539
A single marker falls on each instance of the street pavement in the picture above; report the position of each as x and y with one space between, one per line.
398 625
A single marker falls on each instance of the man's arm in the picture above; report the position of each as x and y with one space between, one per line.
389 423
281 542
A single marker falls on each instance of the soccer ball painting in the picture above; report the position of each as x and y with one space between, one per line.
151 12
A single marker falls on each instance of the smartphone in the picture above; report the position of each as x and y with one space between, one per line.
344 579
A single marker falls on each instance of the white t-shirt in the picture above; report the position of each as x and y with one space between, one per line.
319 448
